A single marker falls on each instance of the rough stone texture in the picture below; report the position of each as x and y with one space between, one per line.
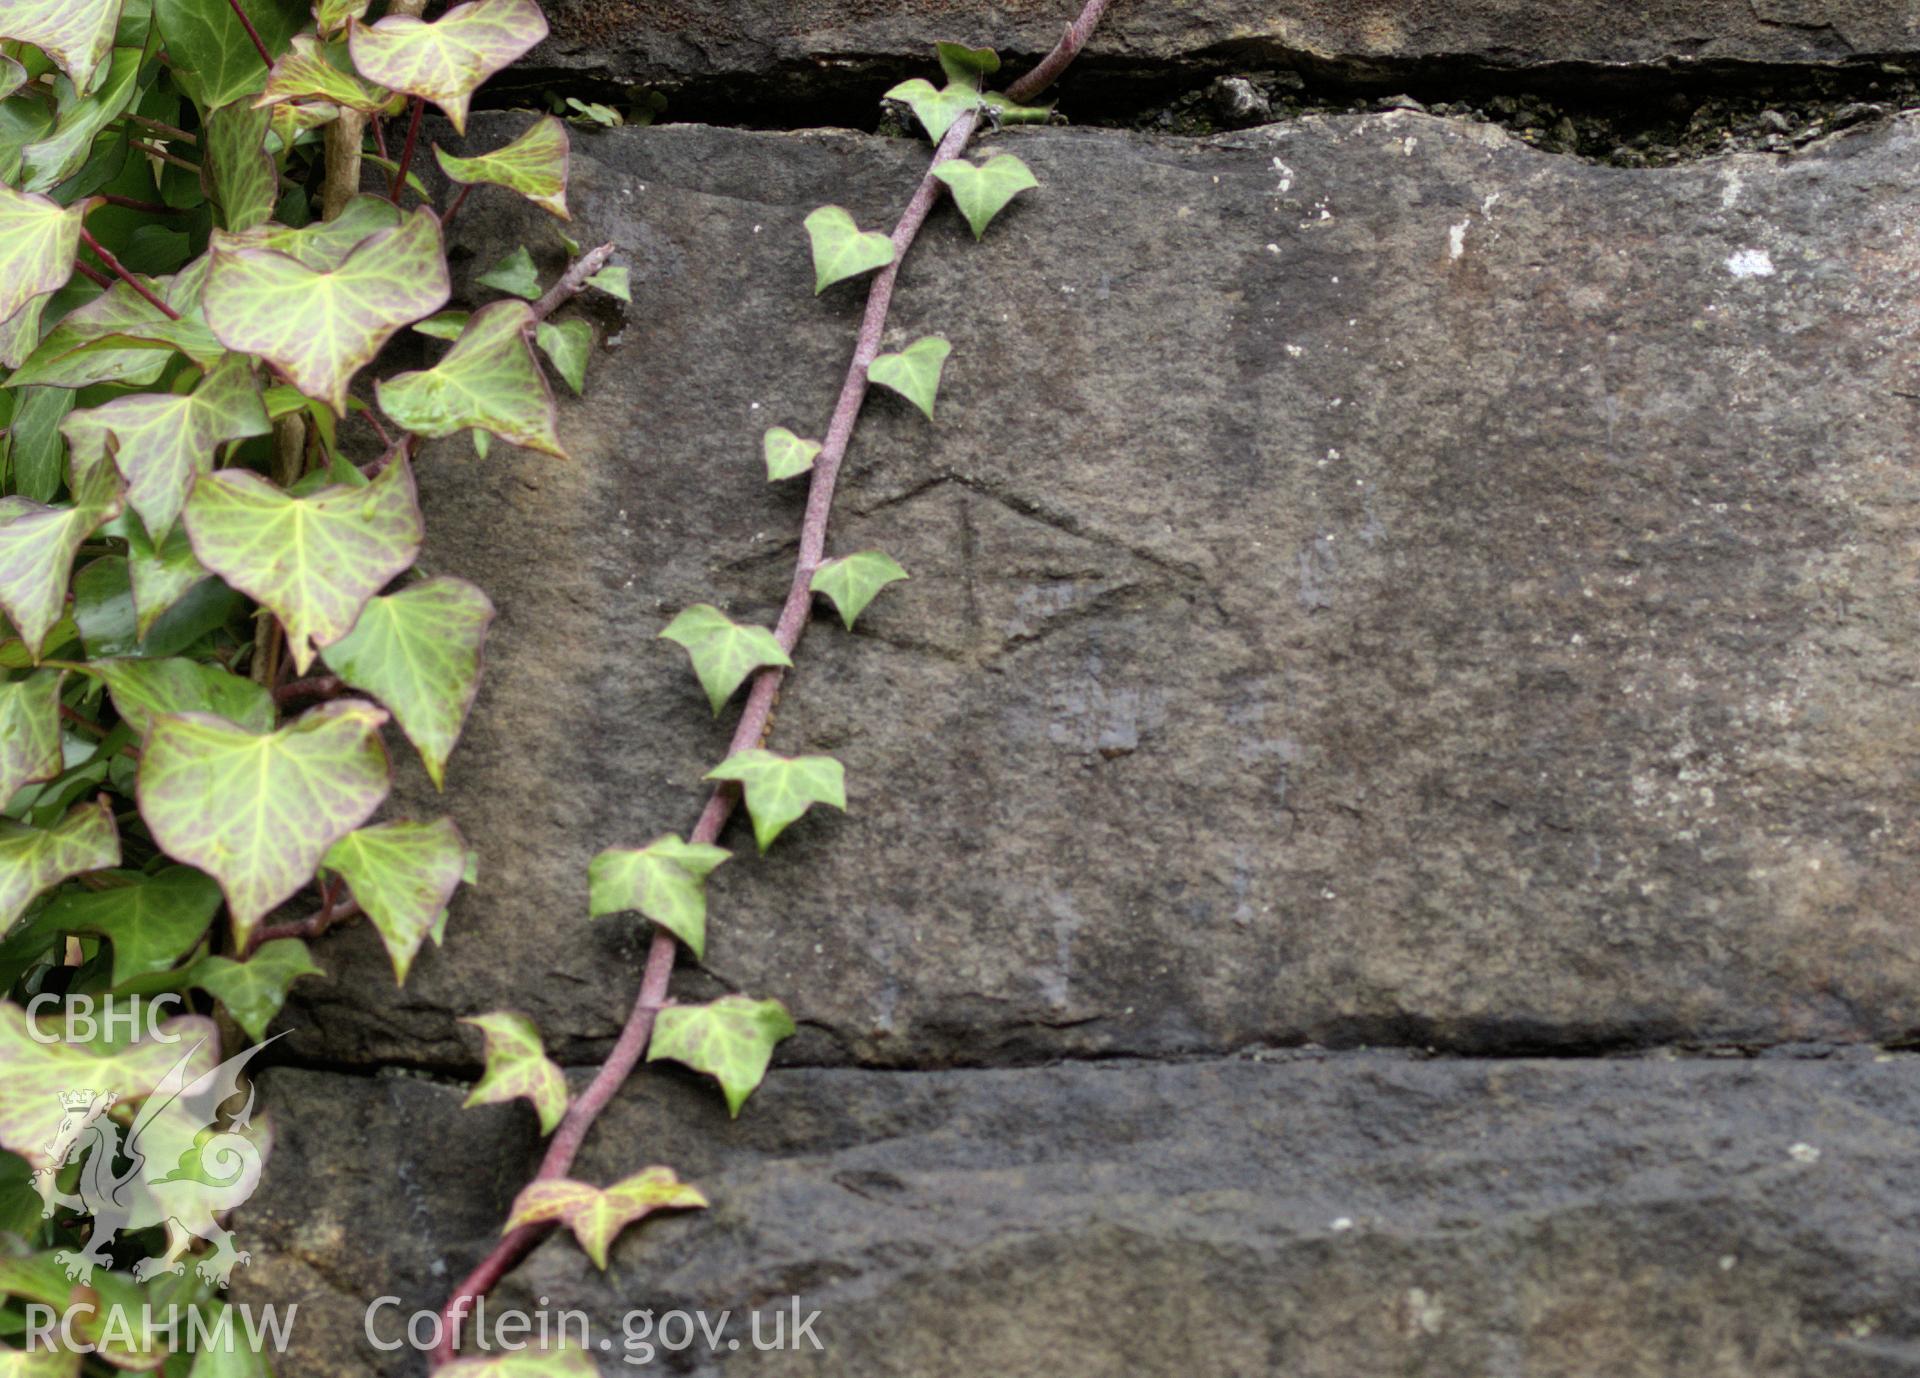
1372 582
1640 1219
731 40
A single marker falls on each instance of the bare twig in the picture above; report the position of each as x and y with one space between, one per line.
172 133
794 615
573 281
156 151
319 921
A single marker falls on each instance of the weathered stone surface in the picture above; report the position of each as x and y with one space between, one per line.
1372 582
1357 1214
736 40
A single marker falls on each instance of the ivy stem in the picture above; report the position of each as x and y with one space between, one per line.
134 204
155 151
113 263
406 151
98 279
240 13
454 209
326 916
85 724
756 717
573 281
313 688
165 130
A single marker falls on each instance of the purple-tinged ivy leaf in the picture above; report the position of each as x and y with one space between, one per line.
445 60
666 880
304 73
731 1040
37 546
29 731
518 1066
489 381
36 859
38 239
596 1217
76 34
403 874
535 165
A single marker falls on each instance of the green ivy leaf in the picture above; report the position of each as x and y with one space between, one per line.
418 652
445 326
852 581
518 1066
29 731
76 34
665 880
403 874
39 454
20 333
489 380
38 239
535 165
841 249
731 1039
444 61
325 244
936 109
982 192
303 73
49 161
532 1363
967 66
209 53
614 282
322 326
150 920
258 811
786 453
723 652
596 1217
36 859
254 990
144 689
781 788
914 372
568 345
235 162
1005 111
314 560
162 575
161 441
119 337
37 546
515 274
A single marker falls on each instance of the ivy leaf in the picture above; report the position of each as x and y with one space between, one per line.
325 244
236 164
444 61
29 731
967 66
852 581
144 689
936 110
37 546
532 1363
781 788
120 337
49 161
723 652
20 333
515 273
303 73
161 575
321 326
314 560
731 1039
489 381
257 811
535 165
36 859
568 345
841 249
914 372
418 652
209 52
161 441
614 282
76 34
518 1066
596 1217
786 453
150 920
403 875
982 192
665 880
445 326
1005 111
254 990
38 239
332 15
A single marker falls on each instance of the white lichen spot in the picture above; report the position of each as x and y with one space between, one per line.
1804 1153
1727 1262
1408 144
1285 174
1457 238
1424 1312
1273 248
1294 351
1750 263
1341 1225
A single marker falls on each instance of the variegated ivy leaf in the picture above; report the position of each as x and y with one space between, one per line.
257 811
914 372
666 880
403 874
535 165
36 859
49 161
781 788
322 326
236 166
852 581
161 441
567 345
936 109
515 273
786 453
150 920
596 1217
723 652
76 34
982 192
332 15
489 381
967 66
120 337
445 60
20 333
143 689
731 1040
29 731
325 244
418 652
38 239
841 249
531 1363
518 1066
254 990
304 73
37 546
314 560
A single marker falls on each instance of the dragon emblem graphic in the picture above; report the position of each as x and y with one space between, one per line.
181 1169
